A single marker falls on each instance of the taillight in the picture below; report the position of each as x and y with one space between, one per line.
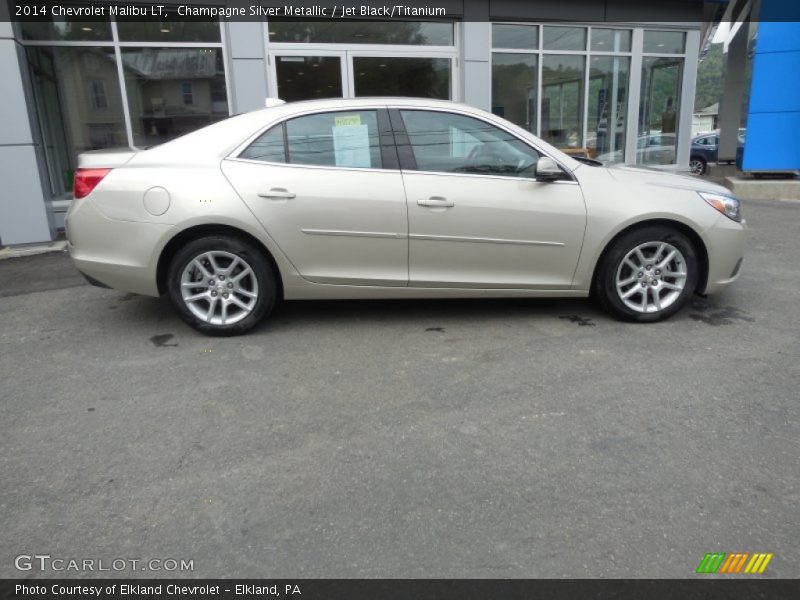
86 180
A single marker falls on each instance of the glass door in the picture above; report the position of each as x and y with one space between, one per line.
304 75
308 76
658 110
417 76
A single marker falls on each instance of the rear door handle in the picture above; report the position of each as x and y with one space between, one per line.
436 202
277 194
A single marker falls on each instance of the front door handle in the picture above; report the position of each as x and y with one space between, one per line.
436 202
277 194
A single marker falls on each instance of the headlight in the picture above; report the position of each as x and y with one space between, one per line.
727 205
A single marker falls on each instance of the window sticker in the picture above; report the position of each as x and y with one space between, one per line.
348 120
351 142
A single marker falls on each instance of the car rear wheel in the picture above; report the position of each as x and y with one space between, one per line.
697 165
647 275
221 285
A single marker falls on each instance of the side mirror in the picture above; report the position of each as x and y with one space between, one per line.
547 169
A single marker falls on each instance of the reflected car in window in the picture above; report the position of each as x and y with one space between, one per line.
391 198
705 150
652 149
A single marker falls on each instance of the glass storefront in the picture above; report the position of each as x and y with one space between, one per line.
308 77
164 31
172 91
66 30
172 85
78 105
582 112
660 97
608 106
563 38
351 58
514 89
516 37
413 33
571 86
402 76
562 99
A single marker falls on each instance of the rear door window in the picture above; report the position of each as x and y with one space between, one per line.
268 147
335 139
331 139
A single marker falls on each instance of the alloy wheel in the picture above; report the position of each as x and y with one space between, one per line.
651 277
219 287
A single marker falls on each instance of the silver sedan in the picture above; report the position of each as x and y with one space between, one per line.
391 198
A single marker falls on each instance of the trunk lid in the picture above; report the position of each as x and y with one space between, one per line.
107 158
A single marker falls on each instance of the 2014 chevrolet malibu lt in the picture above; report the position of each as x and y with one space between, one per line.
391 198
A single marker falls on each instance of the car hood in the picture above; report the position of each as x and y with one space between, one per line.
645 176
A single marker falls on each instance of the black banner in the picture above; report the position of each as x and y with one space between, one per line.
652 11
403 589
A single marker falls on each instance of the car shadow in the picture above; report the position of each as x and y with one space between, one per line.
434 314
438 312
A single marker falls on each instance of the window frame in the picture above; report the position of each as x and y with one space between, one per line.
391 136
408 161
347 52
386 145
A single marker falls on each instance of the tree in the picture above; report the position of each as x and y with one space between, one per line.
709 77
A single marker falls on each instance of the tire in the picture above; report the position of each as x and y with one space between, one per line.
618 286
697 165
243 292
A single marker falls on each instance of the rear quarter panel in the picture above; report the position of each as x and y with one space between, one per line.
199 194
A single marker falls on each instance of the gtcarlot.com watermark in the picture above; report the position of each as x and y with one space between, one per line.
58 564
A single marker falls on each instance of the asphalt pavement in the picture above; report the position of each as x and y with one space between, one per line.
491 438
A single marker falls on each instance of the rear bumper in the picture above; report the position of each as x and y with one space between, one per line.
725 242
113 253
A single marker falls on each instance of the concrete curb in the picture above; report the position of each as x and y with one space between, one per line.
764 189
31 249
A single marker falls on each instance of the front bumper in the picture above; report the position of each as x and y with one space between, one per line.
725 242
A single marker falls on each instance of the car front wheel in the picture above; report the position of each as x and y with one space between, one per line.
221 285
697 166
647 275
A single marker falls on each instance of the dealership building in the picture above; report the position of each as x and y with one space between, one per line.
618 85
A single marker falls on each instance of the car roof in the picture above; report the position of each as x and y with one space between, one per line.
302 106
372 100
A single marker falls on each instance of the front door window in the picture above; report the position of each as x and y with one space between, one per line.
451 143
